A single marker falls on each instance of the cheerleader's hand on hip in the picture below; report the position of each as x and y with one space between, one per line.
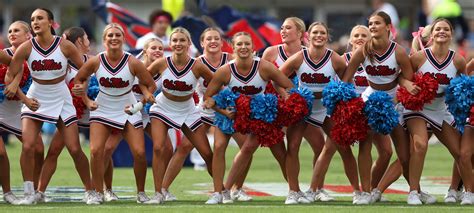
149 98
78 89
91 105
10 90
134 108
412 88
209 103
32 104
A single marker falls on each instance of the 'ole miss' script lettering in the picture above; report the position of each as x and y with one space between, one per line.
113 82
45 65
177 85
380 70
315 78
442 78
247 90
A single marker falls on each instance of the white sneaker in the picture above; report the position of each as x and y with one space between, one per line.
167 195
427 198
355 197
240 195
451 196
323 196
110 196
414 198
302 198
467 198
226 197
384 199
364 199
142 197
40 197
310 195
94 198
29 199
292 198
10 198
376 195
156 199
215 198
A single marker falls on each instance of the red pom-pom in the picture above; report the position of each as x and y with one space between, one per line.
196 98
242 114
3 73
350 123
429 87
471 118
77 102
291 111
267 134
269 89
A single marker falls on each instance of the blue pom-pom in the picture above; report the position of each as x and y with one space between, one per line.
380 112
264 107
93 89
225 99
225 124
306 94
147 106
295 81
459 98
27 85
2 96
337 91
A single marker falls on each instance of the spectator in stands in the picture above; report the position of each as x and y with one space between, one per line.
159 21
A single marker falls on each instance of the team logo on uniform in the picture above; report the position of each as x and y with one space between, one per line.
380 70
247 90
136 89
113 82
315 78
442 78
46 65
177 85
361 81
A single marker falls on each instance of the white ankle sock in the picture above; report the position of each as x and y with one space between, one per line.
29 187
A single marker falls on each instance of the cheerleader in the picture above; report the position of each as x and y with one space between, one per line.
152 50
382 60
443 64
115 71
213 58
421 40
47 57
248 75
78 37
10 114
292 34
315 67
175 107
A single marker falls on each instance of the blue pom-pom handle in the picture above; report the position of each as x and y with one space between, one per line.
380 112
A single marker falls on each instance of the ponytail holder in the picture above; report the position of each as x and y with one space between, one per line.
393 31
305 38
55 25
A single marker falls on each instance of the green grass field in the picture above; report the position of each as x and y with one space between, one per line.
264 170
